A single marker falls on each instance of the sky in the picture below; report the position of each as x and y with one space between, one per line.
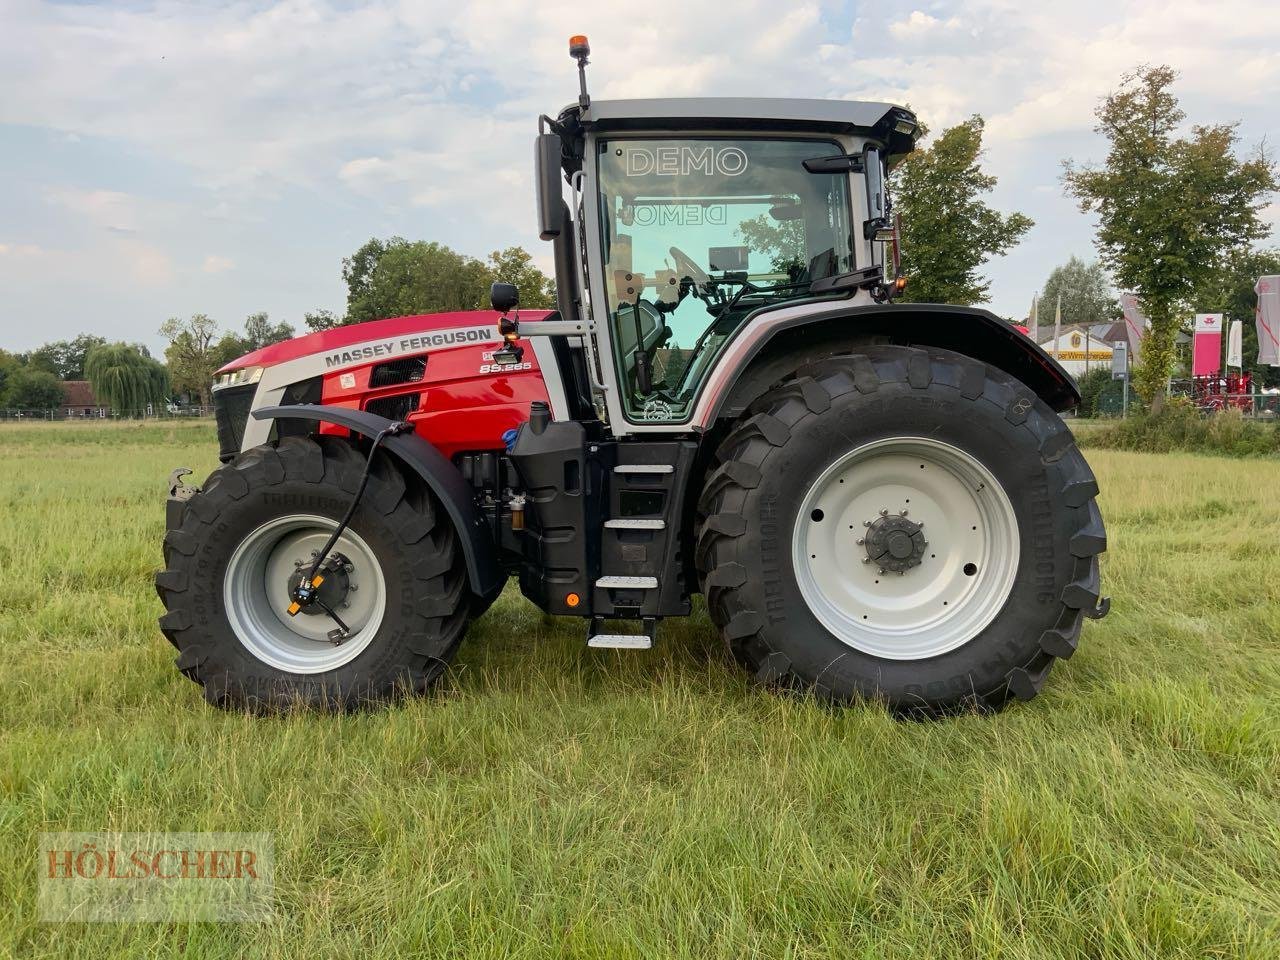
163 159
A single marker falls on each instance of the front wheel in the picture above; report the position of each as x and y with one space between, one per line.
901 524
392 609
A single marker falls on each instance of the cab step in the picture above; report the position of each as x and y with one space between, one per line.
628 583
635 524
644 468
621 641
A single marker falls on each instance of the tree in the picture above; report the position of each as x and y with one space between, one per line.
190 355
1170 209
1086 292
10 365
398 277
65 358
125 379
321 320
782 241
30 389
260 332
228 348
1229 291
948 232
515 265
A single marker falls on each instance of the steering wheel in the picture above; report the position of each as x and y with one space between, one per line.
687 268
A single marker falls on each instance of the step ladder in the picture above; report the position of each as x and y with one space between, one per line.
596 637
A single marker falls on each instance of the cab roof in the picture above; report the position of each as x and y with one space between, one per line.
886 121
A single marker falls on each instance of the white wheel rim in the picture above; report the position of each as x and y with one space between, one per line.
256 596
964 576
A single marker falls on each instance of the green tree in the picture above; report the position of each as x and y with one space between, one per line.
1170 209
782 241
228 348
321 320
1229 291
65 358
260 332
515 265
398 277
10 365
30 389
948 231
125 379
1086 292
190 355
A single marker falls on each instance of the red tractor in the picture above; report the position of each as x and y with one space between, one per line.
877 500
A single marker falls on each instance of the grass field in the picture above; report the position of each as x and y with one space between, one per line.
552 800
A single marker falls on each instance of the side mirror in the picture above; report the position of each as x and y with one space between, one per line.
546 162
873 177
504 297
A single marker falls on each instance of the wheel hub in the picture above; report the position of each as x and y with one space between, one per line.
333 590
894 542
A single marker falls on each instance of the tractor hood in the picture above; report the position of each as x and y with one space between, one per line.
324 341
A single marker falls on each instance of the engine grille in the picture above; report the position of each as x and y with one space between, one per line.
406 370
231 406
394 408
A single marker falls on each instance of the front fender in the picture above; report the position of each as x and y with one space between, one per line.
441 476
758 356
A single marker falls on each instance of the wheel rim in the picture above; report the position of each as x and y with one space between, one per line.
927 601
256 595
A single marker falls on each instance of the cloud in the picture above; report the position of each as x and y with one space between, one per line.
920 24
294 129
216 264
108 209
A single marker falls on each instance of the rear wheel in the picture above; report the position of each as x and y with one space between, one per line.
901 524
395 579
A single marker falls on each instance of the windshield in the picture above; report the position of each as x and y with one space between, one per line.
698 233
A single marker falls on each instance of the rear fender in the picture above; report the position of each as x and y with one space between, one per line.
441 476
775 343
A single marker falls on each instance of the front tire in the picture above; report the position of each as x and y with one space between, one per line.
225 586
901 524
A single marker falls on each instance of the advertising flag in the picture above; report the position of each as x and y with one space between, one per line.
1235 344
1268 319
1206 345
1135 325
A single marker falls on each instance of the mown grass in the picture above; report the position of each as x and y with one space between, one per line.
552 800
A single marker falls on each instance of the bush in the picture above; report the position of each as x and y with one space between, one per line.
1091 385
1180 426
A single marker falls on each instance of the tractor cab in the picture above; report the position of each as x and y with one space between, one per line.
675 221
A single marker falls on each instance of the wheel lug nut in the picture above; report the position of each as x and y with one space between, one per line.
903 513
861 541
884 513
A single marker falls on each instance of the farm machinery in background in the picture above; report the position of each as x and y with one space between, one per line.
876 499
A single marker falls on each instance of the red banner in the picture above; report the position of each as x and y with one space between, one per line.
1206 345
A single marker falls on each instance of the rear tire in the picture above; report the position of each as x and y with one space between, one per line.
976 639
223 585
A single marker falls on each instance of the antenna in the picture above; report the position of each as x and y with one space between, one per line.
580 49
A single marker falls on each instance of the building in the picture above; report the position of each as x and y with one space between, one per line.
1081 347
78 399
